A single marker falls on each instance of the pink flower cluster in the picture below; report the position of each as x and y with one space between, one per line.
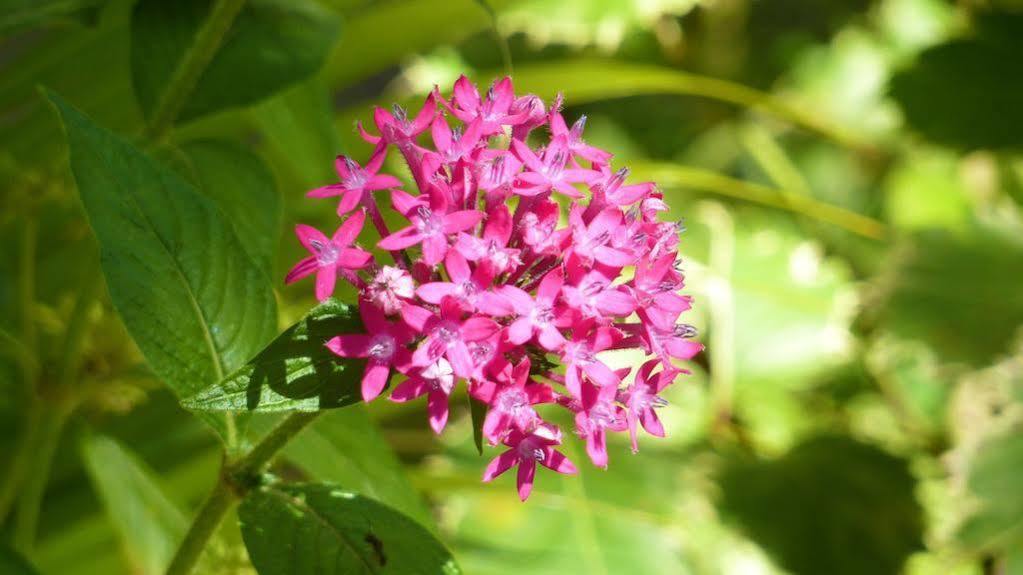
518 267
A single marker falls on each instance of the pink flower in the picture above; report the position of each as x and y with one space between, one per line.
574 139
465 285
598 413
526 450
383 346
548 173
357 182
436 381
512 403
490 288
592 241
432 230
447 335
389 288
593 297
640 400
492 249
395 126
580 357
329 254
533 316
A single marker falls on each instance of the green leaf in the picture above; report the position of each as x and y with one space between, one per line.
993 478
150 525
957 293
13 564
271 45
478 410
192 299
242 187
345 447
318 528
830 505
966 93
296 371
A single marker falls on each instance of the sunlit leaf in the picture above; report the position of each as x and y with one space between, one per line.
322 529
270 46
295 372
192 299
150 525
830 505
993 478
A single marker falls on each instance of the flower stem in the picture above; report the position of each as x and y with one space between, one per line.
50 426
207 40
236 479
219 502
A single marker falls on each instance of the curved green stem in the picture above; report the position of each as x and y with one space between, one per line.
235 480
589 80
205 45
672 175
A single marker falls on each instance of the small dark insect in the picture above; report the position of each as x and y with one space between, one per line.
378 548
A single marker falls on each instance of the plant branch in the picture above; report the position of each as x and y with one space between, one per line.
236 479
672 175
204 47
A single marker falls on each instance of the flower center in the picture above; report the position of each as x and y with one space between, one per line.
382 347
326 254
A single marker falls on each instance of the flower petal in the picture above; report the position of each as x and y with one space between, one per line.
356 345
500 464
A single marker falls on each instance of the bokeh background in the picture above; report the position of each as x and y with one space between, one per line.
850 178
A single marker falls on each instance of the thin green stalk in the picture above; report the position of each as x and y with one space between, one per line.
27 297
26 348
235 480
589 80
502 42
26 521
204 47
34 464
722 311
212 512
22 460
672 175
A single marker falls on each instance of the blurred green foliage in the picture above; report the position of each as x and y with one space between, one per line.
850 176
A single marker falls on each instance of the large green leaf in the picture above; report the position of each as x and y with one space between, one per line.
345 447
966 93
957 293
242 187
994 479
271 45
321 529
192 299
150 525
830 505
296 372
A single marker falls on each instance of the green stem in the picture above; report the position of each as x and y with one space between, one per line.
671 175
204 47
235 480
21 461
26 521
27 298
212 512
